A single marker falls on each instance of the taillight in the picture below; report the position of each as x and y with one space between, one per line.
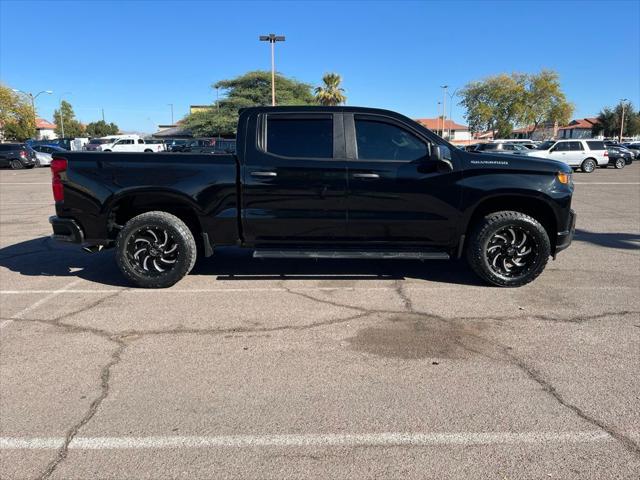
606 153
23 153
58 165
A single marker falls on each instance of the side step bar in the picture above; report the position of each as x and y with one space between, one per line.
372 254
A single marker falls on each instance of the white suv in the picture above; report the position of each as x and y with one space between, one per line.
585 154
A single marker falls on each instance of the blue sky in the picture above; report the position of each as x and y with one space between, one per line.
134 58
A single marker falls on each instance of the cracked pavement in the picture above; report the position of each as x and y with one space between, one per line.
303 369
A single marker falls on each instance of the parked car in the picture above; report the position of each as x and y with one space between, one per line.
635 149
96 144
618 157
530 144
175 145
583 154
501 148
44 153
17 156
210 145
124 143
318 182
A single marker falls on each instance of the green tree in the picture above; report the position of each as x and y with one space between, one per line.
494 103
66 118
330 93
101 129
609 121
248 90
16 115
543 100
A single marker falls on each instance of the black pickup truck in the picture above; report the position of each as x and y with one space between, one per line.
317 182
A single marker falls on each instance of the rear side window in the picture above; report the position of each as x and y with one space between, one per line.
384 141
488 146
575 146
594 145
304 137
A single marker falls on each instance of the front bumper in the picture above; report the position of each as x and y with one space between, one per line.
66 230
566 237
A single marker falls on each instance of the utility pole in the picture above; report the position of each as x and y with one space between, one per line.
102 114
444 108
451 97
33 101
622 100
171 105
272 38
438 117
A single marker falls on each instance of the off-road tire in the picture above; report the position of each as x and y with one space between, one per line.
588 165
179 234
16 164
485 229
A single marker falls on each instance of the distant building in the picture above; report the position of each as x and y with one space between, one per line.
453 132
176 130
544 131
45 130
579 128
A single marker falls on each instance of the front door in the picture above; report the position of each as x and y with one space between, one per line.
395 193
294 180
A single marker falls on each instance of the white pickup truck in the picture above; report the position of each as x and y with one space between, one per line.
123 143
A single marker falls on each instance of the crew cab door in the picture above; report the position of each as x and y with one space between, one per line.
293 176
396 193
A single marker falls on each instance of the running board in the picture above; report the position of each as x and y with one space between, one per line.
372 254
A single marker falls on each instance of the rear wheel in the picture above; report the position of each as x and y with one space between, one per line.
155 250
148 151
589 165
16 164
620 163
508 249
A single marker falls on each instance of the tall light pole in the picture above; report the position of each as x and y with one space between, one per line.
33 100
438 117
622 100
444 107
451 95
171 105
61 117
272 38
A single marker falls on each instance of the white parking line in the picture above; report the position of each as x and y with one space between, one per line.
274 289
606 183
388 439
25 203
42 301
25 183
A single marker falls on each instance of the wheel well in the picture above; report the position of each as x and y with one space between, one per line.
131 206
535 208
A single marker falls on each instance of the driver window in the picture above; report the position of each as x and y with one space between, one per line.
377 140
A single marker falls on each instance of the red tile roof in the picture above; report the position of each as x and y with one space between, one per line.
584 123
436 124
42 124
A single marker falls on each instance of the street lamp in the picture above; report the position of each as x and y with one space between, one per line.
444 107
438 117
62 116
272 38
33 100
622 100
451 95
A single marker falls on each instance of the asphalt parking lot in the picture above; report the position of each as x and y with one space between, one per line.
303 369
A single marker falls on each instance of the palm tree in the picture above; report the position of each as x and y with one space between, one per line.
331 93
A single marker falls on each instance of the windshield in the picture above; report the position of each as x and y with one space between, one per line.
100 141
546 145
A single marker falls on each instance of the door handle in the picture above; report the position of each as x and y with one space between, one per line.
366 175
264 174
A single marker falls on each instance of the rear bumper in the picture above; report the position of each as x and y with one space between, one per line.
566 237
66 230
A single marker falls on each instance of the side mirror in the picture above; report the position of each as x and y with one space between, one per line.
441 155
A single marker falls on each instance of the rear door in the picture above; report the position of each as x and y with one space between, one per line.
293 178
395 193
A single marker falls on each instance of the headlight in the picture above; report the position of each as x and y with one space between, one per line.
564 178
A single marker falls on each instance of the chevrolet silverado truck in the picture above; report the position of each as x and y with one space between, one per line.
317 182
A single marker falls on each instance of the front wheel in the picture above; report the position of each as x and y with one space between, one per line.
620 163
16 164
588 166
508 249
155 250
